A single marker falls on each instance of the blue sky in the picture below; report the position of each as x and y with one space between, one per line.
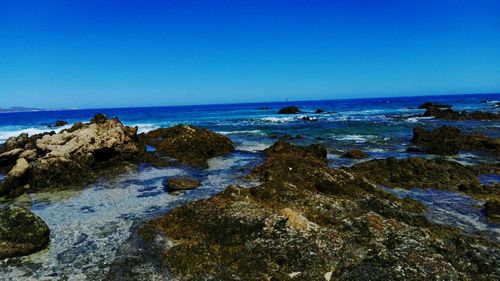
140 53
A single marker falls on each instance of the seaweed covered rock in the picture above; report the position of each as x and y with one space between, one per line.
181 183
417 172
21 232
307 221
188 144
492 209
71 156
355 154
447 140
289 110
444 111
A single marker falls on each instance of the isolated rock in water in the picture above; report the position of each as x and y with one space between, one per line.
181 183
309 221
428 105
319 111
355 154
444 111
21 232
416 172
59 123
308 118
188 144
447 140
289 110
492 209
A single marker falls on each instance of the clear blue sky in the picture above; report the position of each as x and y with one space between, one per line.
94 53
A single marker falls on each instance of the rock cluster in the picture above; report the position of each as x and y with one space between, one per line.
355 154
188 144
289 110
444 111
181 184
307 221
21 232
447 140
67 158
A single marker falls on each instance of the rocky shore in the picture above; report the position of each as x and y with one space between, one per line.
303 221
307 221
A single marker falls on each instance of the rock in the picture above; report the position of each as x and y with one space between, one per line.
355 154
71 157
447 140
416 172
180 184
17 176
24 141
10 156
99 118
308 118
428 105
29 154
21 232
188 144
492 209
445 112
319 111
312 222
289 110
59 123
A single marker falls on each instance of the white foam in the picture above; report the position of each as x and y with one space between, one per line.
418 119
4 135
355 138
144 127
259 132
278 119
253 146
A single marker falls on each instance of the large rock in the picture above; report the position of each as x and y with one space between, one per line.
492 209
72 156
289 110
447 140
21 232
417 172
188 144
355 154
443 111
307 221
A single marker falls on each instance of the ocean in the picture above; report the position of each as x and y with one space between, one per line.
91 226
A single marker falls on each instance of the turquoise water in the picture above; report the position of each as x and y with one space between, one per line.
91 226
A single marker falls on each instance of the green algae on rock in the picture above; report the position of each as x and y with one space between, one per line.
188 144
21 232
310 222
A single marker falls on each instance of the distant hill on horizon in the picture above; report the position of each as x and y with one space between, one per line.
19 109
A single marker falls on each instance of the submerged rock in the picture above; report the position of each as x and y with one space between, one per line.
355 154
59 123
417 172
447 140
181 183
188 144
319 111
308 118
289 110
21 232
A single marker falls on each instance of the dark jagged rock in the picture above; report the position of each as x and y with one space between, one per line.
181 183
310 222
59 123
417 172
428 105
188 144
355 154
319 111
99 118
308 118
447 140
445 112
492 209
21 232
289 110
